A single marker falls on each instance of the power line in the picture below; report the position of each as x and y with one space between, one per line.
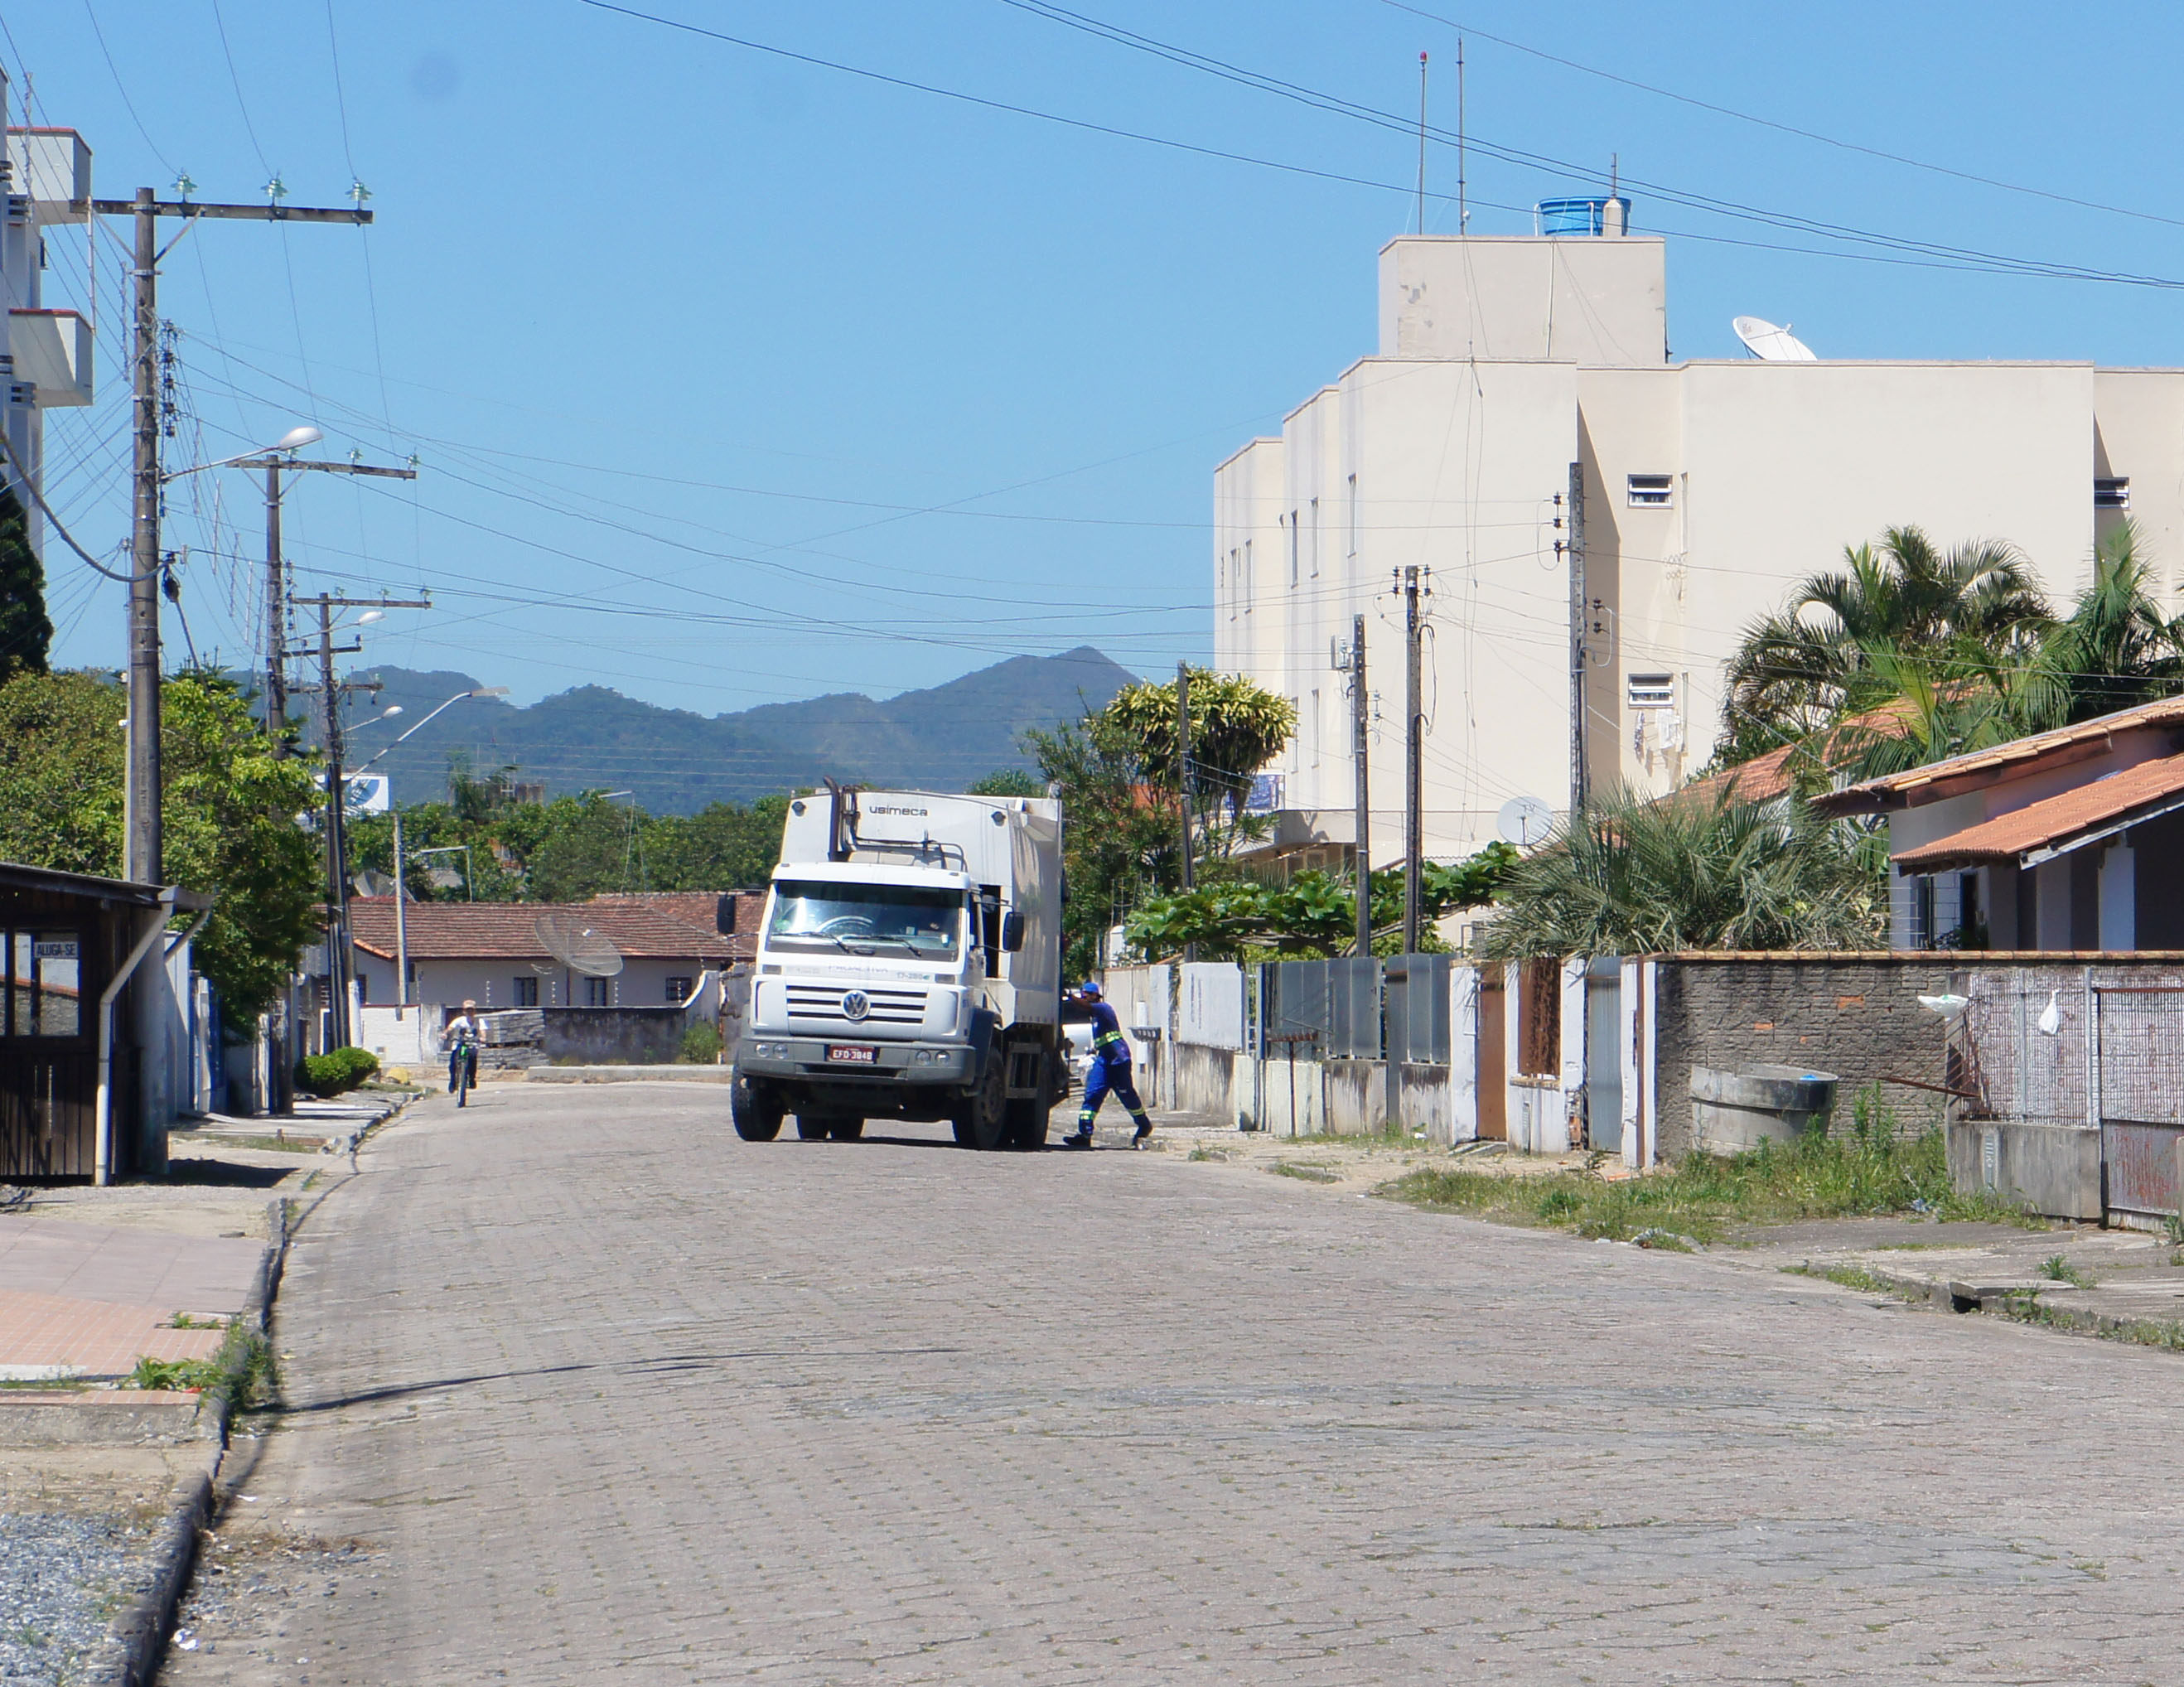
1791 128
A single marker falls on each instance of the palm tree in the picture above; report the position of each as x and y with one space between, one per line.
1803 667
2117 648
1634 876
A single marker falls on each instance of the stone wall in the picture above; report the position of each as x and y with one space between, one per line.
613 1036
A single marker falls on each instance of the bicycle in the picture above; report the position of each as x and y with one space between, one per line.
465 1072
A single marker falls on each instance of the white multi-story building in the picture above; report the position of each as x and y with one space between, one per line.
45 356
1709 488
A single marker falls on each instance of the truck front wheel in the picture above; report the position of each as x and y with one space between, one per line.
757 1115
981 1118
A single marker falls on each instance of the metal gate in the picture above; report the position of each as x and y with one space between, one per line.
2138 1093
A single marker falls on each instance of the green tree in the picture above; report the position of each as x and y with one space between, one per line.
1119 840
230 811
1312 915
1638 876
26 632
1799 669
2117 648
1237 726
724 846
1008 781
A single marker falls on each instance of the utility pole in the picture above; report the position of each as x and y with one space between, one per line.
276 582
1182 777
331 694
1359 732
1413 764
143 849
1578 793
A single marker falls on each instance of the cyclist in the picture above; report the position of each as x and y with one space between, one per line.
460 1039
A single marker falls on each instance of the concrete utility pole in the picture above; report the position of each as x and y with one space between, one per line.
1360 730
1413 765
276 582
331 694
1182 777
144 847
1578 794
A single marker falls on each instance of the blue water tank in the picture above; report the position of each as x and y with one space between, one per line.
1578 216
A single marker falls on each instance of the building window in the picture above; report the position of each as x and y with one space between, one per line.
1649 491
2112 492
45 984
1350 516
1236 579
362 987
1649 690
1246 593
1312 725
1293 546
1315 538
678 992
598 993
527 991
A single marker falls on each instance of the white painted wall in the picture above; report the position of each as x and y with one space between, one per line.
1461 433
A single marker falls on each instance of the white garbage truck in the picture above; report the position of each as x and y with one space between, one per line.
909 966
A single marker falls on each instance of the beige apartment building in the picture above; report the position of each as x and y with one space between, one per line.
1709 486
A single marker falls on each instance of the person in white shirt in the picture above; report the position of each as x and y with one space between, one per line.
460 1040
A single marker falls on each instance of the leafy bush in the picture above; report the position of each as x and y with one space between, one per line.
701 1045
335 1071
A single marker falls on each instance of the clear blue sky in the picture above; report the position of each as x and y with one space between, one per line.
736 379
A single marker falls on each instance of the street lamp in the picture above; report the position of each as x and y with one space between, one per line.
401 896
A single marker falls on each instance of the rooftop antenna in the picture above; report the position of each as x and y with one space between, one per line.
577 945
1422 143
1462 203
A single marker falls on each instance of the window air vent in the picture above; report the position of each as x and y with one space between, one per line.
1650 492
1651 691
2112 495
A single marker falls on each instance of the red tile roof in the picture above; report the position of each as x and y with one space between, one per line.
1976 769
2139 793
507 930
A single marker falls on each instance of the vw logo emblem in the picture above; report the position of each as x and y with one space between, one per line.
856 1004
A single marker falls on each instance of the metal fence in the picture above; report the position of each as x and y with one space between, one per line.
1417 1009
1330 1009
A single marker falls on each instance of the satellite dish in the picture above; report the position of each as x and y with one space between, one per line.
1770 344
577 945
1525 820
373 882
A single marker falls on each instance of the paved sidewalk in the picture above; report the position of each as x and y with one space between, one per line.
581 1388
90 1300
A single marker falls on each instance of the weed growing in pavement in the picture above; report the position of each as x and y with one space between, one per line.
1306 1174
2057 1268
171 1374
1870 1172
1858 1277
2026 1309
1202 1152
183 1320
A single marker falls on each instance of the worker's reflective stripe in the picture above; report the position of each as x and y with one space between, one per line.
1107 1039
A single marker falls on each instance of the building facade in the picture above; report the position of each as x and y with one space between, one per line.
1512 370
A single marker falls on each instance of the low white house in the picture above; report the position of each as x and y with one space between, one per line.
496 954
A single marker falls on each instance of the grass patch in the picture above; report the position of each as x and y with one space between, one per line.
2026 1309
243 1372
1858 1277
1304 1174
275 1145
1870 1172
183 1320
1202 1152
2057 1268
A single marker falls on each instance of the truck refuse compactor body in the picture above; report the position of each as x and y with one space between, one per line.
909 967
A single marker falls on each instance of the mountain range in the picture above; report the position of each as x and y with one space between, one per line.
676 761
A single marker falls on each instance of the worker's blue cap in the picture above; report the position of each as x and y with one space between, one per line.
1091 987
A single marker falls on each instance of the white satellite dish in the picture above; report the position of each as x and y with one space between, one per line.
577 945
1525 820
1770 344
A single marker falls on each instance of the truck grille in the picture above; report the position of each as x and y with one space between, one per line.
888 1007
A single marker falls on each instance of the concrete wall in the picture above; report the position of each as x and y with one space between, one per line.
1857 1016
613 1036
2054 1169
1205 1083
1356 1096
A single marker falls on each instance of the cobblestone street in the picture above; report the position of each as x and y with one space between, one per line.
581 1388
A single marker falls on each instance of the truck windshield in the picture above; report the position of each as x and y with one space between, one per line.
808 915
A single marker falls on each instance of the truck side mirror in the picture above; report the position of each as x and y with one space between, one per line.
1012 932
724 915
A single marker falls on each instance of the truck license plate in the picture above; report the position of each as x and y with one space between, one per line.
852 1054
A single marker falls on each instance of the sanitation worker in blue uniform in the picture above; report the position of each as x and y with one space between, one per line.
1110 1071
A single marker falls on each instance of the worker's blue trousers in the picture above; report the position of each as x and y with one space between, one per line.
1099 1082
